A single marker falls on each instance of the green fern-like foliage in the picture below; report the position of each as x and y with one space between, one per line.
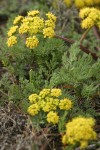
31 69
18 60
80 71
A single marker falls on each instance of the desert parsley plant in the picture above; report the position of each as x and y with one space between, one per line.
90 16
49 106
31 26
79 131
38 63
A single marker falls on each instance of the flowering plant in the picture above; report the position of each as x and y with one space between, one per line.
90 16
32 26
79 131
49 107
51 65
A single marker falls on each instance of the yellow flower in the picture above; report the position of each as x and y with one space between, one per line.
11 41
64 139
84 12
89 2
32 42
12 30
33 29
56 92
52 117
79 3
33 24
48 32
27 20
94 15
50 104
83 144
65 104
68 3
44 93
80 130
33 13
56 102
17 19
36 25
47 107
50 23
51 16
91 17
33 98
33 109
23 28
87 23
39 22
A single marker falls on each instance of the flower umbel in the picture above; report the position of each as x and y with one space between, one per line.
56 92
51 16
90 16
33 25
33 109
33 98
52 117
17 19
11 41
48 32
32 42
49 103
12 30
65 104
79 130
23 28
33 13
44 93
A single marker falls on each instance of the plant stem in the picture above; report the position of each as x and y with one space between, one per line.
96 32
4 93
97 35
84 49
84 35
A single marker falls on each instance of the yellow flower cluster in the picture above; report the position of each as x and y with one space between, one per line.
33 25
32 42
65 104
12 30
90 16
17 19
23 28
11 41
48 31
52 117
51 17
79 130
33 98
33 109
48 101
44 93
36 25
82 3
56 92
68 3
33 13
